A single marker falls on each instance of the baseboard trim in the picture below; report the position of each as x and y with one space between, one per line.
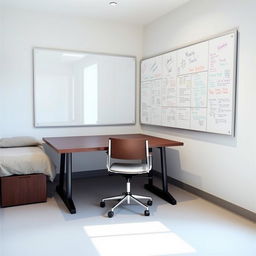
211 198
90 174
86 174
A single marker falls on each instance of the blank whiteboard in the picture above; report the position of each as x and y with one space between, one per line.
192 87
80 89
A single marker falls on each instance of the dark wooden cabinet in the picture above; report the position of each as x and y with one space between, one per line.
22 189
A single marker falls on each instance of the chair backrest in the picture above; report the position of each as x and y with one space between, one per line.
128 149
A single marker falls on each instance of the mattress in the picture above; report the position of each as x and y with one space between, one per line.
25 160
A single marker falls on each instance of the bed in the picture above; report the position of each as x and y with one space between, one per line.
24 155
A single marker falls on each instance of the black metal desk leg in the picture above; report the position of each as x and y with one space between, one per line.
62 170
164 171
67 194
69 175
163 193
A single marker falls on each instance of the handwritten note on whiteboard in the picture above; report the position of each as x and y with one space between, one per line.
192 87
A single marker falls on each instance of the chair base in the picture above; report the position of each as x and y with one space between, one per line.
128 197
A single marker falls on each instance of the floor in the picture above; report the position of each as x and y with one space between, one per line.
192 227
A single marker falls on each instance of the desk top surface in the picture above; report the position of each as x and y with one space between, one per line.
100 142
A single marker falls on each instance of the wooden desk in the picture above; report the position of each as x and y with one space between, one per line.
68 145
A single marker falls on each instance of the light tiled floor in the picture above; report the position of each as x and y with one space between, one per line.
192 227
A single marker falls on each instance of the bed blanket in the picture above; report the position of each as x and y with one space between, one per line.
25 160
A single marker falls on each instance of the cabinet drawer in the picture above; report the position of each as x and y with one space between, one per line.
23 189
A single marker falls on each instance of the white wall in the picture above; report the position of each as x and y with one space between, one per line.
1 67
221 165
23 30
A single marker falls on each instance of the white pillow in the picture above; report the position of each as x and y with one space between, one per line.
21 141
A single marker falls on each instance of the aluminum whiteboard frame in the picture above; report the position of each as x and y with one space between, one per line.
235 54
83 52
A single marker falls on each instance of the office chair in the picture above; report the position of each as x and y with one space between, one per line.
128 149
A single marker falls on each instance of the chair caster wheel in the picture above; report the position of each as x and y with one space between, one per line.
146 213
149 202
110 214
102 204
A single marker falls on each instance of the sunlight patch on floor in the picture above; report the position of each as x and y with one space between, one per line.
147 238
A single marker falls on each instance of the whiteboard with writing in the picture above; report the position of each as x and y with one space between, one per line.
192 87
